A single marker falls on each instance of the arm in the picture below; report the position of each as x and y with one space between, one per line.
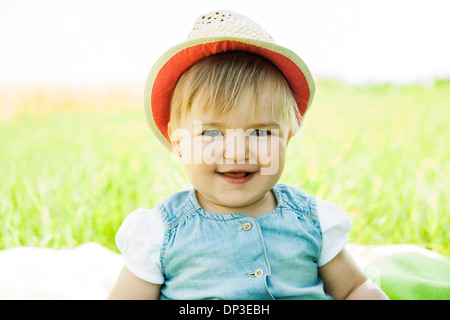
130 287
343 279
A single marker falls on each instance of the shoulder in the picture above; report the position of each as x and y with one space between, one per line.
177 199
332 221
176 206
291 191
332 216
296 199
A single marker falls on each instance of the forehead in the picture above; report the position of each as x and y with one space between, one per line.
260 104
232 120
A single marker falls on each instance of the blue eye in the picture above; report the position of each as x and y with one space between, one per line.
260 132
212 133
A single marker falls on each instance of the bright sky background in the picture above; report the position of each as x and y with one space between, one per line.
109 40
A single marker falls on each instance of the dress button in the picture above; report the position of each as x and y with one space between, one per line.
247 226
259 272
255 274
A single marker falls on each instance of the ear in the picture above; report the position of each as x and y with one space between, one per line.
175 140
290 135
177 147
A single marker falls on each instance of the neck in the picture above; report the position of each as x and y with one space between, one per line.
266 204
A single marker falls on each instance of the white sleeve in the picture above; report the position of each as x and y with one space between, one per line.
335 225
140 239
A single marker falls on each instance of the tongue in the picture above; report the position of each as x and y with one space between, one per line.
235 174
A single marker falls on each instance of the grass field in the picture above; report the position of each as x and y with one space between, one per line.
74 161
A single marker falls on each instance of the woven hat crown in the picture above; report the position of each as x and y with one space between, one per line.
224 23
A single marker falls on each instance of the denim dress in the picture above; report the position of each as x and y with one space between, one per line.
235 256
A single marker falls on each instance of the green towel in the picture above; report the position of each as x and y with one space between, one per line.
412 276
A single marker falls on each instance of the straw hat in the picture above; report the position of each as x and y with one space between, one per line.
217 32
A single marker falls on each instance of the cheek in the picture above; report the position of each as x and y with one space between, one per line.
193 159
199 150
212 151
271 154
191 151
199 175
268 150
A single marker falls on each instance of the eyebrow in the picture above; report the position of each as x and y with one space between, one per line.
254 125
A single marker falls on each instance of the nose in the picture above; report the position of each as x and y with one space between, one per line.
236 147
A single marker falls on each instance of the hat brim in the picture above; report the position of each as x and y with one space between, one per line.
166 72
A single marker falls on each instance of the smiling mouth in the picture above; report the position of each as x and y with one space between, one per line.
236 177
236 174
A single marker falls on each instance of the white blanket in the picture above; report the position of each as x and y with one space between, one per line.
90 270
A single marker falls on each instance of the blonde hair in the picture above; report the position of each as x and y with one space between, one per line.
220 81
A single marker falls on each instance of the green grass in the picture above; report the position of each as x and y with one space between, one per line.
71 175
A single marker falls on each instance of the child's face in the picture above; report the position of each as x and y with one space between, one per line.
232 161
